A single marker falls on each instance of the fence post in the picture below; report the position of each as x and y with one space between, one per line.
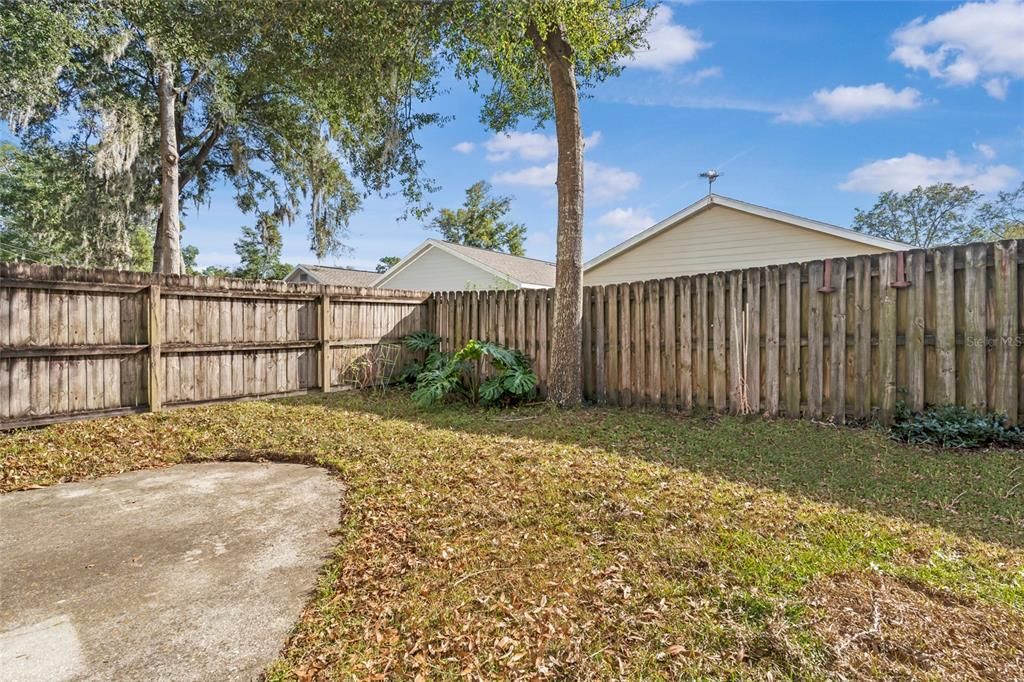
325 341
154 335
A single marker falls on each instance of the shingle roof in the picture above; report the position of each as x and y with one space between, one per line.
347 277
520 268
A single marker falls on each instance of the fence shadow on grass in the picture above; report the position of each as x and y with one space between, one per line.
976 494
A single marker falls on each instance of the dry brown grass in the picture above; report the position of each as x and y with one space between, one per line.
880 627
603 543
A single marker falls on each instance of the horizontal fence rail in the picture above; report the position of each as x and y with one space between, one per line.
78 343
839 338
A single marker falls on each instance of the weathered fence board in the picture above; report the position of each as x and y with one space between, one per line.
752 344
77 343
1007 313
972 372
771 340
791 303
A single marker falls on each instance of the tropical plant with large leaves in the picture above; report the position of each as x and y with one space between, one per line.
427 345
508 378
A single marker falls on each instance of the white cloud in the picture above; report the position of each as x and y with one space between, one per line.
531 176
668 44
856 102
853 103
626 221
974 41
986 150
997 87
904 173
529 146
666 97
701 75
464 147
603 183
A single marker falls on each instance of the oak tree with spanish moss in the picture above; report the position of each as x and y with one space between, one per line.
302 108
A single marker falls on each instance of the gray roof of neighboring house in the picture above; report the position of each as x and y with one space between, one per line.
347 277
520 268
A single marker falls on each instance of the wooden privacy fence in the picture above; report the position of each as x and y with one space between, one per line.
78 343
834 338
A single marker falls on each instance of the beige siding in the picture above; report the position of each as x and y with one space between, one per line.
437 270
721 238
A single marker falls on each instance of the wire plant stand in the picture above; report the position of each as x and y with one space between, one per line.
374 368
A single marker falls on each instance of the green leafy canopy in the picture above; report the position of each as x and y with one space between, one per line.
943 214
479 222
259 250
386 263
53 210
301 107
490 45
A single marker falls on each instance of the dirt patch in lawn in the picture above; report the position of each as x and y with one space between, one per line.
886 628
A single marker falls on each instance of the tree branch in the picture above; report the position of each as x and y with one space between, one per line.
187 87
197 161
194 140
533 33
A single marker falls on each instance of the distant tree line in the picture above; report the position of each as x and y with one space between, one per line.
479 223
943 214
258 249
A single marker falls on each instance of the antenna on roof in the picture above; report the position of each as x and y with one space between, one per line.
711 176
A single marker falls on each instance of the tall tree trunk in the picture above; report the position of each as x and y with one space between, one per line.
565 386
167 246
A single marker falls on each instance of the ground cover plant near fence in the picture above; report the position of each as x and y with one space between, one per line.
954 426
610 543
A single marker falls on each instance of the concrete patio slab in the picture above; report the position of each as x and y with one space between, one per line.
194 572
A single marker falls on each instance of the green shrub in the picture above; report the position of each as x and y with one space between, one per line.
953 426
421 342
441 375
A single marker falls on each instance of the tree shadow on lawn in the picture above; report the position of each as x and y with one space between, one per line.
968 493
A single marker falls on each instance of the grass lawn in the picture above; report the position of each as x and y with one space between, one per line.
608 543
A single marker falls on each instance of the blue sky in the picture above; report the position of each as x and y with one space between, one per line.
806 107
